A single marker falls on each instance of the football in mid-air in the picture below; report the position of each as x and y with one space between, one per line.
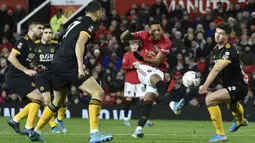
191 79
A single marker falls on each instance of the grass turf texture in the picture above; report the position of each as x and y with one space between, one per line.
164 131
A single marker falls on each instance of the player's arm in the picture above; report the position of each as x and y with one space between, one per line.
130 33
14 61
218 67
159 57
79 49
155 61
125 64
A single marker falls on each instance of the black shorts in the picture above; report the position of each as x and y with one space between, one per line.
237 92
20 84
44 81
66 74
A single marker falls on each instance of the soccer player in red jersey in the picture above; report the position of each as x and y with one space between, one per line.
133 87
151 67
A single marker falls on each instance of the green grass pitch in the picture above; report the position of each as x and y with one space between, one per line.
164 131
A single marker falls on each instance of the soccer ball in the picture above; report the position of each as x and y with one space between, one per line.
191 79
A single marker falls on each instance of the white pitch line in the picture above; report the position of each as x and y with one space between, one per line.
80 134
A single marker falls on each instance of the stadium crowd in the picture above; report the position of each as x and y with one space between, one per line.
192 43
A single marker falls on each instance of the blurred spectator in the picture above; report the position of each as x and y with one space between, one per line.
219 19
218 10
247 57
57 20
251 24
19 14
9 19
114 16
3 13
112 59
211 30
158 6
8 33
4 53
133 11
250 6
177 41
4 96
177 12
118 83
108 99
6 44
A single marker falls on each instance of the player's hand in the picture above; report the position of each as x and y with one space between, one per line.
81 74
133 27
136 64
30 72
40 68
245 78
203 89
138 56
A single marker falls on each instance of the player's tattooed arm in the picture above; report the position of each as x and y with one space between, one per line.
79 51
14 61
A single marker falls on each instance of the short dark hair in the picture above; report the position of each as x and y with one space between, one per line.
93 7
35 22
153 22
47 26
225 26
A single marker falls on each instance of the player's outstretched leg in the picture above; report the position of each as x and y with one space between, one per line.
126 110
160 85
146 110
238 113
14 122
95 90
59 119
48 113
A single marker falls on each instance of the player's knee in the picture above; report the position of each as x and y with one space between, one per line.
98 95
46 98
154 79
35 96
129 99
210 101
148 97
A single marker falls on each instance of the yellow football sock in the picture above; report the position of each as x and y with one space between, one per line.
33 111
61 113
239 114
22 114
52 122
94 112
47 114
216 119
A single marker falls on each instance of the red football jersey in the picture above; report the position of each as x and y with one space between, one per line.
127 65
150 48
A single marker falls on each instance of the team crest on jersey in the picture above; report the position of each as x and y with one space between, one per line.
52 50
33 84
91 28
227 53
19 45
156 48
41 88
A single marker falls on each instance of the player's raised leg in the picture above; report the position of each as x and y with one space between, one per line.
95 90
238 113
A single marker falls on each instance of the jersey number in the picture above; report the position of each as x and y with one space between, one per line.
70 27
